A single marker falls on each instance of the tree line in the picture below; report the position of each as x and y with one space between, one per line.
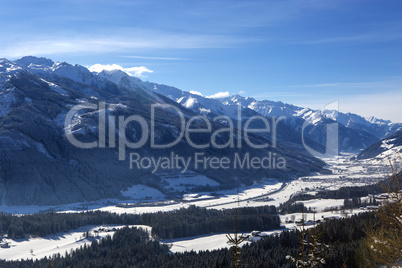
181 223
131 247
195 221
343 192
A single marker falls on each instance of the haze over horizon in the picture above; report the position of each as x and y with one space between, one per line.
307 53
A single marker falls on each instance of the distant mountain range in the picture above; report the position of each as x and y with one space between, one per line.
376 127
355 132
39 166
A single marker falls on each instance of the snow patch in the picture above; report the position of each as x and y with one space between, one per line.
55 88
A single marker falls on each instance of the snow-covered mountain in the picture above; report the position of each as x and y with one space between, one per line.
388 148
196 103
376 127
38 165
355 132
368 128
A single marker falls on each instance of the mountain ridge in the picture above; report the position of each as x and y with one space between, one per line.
295 116
387 148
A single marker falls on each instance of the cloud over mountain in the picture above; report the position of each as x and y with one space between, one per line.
133 71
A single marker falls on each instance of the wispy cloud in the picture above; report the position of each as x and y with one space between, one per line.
328 85
13 46
241 92
219 95
279 94
196 93
229 15
133 71
154 58
386 84
358 38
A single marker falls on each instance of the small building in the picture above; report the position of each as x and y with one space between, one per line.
255 233
4 245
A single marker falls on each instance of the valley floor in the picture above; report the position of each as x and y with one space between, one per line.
346 172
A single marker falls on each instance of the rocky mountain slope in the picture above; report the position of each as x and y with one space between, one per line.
387 148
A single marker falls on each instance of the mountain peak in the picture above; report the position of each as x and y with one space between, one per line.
28 60
8 69
119 77
374 120
237 99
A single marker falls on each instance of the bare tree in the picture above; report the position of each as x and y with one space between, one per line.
384 239
235 240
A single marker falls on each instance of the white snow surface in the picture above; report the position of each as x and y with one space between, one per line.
322 204
218 241
53 244
55 88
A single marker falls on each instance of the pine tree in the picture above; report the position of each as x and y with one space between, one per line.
235 240
313 251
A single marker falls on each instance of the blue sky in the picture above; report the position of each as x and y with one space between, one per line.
304 52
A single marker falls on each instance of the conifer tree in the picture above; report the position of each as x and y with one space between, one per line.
313 251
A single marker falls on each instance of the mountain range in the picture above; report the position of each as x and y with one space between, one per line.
355 132
40 166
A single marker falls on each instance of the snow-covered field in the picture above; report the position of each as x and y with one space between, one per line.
323 204
37 248
218 241
345 172
198 243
